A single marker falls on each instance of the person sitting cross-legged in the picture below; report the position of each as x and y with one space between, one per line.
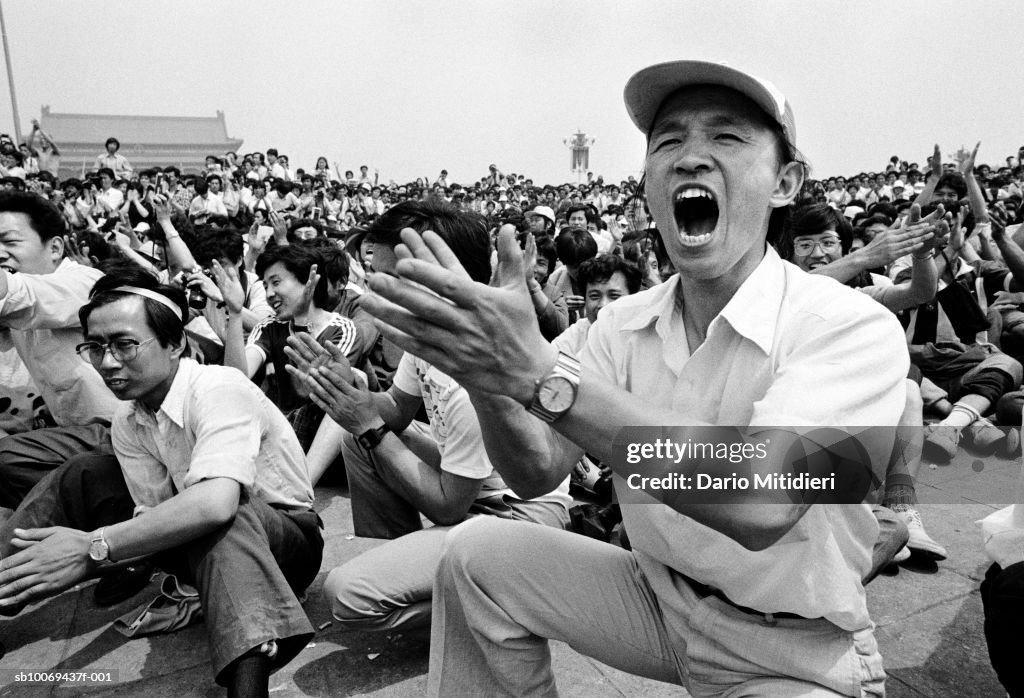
398 468
220 496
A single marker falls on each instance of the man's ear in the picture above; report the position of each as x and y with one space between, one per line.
178 350
55 247
787 185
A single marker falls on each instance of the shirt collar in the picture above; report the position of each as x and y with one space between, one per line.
751 312
663 303
173 405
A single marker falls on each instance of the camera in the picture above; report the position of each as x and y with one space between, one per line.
196 296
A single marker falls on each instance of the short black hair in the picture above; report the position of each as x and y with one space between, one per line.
46 220
218 243
305 223
601 268
114 141
546 250
168 327
297 259
335 260
575 246
464 232
954 181
587 210
815 219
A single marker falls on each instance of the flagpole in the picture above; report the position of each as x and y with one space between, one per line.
10 77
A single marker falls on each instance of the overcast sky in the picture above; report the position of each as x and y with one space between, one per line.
411 87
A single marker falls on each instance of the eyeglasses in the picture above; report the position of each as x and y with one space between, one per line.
827 245
121 349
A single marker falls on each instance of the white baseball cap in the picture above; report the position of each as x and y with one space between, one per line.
649 88
543 211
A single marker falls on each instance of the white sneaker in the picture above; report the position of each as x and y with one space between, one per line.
902 555
920 542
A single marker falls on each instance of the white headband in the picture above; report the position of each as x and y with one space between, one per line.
152 295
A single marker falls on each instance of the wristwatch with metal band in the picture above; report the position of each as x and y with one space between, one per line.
99 550
555 393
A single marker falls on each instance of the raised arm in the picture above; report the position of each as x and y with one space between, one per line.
553 320
932 181
886 248
484 337
975 197
1013 255
913 234
179 257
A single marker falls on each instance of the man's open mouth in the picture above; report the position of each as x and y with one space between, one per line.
696 213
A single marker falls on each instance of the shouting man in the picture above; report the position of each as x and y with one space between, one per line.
758 595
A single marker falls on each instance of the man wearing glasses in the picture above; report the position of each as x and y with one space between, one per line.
221 498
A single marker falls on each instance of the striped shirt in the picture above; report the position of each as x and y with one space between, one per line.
271 337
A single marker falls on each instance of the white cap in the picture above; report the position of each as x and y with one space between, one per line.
649 88
544 211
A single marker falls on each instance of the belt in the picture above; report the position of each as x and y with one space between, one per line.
704 591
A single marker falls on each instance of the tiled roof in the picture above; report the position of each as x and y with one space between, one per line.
68 129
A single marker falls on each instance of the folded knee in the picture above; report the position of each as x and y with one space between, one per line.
470 545
352 600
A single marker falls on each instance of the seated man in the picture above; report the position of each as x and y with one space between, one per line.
399 469
949 342
208 204
574 246
40 291
224 245
819 240
716 596
553 316
602 279
220 495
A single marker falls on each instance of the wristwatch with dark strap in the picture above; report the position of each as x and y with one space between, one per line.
371 438
555 393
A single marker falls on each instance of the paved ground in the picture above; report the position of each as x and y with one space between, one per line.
929 624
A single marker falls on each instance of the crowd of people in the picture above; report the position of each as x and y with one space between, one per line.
184 355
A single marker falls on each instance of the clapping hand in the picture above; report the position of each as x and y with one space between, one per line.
325 373
484 337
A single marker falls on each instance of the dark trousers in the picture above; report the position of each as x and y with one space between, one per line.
248 572
1002 594
27 458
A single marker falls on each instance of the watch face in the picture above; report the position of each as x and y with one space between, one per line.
98 550
556 394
